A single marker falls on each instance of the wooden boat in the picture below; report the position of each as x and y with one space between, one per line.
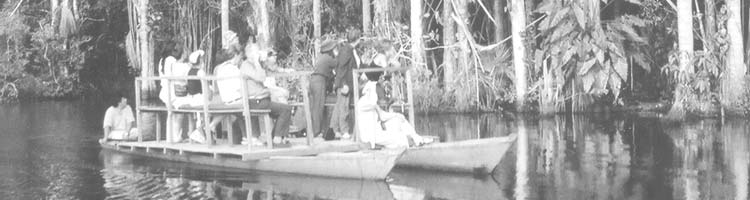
328 159
470 156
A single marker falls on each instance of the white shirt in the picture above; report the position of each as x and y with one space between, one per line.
118 119
229 89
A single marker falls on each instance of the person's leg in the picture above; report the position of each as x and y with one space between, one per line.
281 112
317 103
334 123
283 115
344 118
177 128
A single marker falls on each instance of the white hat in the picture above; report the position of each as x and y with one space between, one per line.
195 56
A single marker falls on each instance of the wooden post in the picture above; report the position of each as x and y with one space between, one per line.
138 109
224 23
168 121
366 16
246 114
158 127
306 106
355 92
316 28
209 137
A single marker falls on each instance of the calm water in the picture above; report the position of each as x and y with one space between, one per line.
48 150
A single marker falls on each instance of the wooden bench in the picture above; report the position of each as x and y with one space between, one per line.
263 116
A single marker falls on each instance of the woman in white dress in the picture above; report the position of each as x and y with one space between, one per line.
379 127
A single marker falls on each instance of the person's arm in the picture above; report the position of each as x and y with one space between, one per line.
253 72
107 124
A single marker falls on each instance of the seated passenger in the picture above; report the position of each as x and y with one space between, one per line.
193 87
171 66
118 121
379 127
259 97
230 90
278 94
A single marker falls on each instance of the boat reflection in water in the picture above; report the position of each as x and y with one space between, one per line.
132 177
129 177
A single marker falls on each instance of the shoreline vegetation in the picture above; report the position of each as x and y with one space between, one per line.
546 57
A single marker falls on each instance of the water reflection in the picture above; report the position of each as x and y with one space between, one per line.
629 157
48 151
128 177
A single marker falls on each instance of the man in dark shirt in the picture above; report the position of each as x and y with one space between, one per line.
347 60
319 81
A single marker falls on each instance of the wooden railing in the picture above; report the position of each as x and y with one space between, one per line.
206 100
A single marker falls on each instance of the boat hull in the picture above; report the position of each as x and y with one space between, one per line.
372 165
471 156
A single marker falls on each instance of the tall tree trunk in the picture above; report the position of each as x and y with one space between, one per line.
464 57
224 23
366 16
53 5
316 26
685 45
449 38
148 88
417 49
144 31
382 17
75 9
499 15
518 24
733 79
710 19
262 26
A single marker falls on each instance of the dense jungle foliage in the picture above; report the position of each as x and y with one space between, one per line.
581 56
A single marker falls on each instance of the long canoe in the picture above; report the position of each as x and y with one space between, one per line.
478 156
373 165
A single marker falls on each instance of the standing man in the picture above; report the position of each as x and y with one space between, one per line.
319 81
347 60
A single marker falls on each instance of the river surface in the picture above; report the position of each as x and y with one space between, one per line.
49 150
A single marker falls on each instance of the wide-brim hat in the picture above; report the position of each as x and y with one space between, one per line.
328 45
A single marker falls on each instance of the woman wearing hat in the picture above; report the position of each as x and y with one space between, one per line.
319 81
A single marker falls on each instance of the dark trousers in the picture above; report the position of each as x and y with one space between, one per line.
282 113
318 85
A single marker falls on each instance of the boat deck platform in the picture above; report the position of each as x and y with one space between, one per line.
298 148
